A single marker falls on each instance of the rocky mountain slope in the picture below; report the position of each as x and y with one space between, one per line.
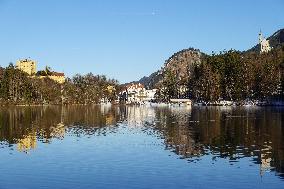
179 63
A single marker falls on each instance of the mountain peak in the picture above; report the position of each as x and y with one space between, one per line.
180 63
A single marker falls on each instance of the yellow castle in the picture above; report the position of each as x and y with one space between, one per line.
26 65
55 76
29 66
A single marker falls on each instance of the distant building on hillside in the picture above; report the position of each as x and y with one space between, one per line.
150 94
58 77
136 93
55 76
29 66
26 65
264 44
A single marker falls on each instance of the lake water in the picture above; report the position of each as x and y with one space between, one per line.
141 147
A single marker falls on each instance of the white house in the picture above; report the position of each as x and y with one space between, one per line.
136 93
150 94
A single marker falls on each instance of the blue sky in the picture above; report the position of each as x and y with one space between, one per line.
127 39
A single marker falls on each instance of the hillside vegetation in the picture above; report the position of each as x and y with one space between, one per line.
228 75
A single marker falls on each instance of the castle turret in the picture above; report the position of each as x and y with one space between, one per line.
264 44
26 65
260 37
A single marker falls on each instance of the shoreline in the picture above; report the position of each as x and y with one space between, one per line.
192 104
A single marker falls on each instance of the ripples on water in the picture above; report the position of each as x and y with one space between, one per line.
200 136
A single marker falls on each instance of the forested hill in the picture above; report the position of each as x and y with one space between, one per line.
181 62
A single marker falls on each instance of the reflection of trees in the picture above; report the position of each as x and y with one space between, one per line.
137 116
25 125
173 125
230 133
90 120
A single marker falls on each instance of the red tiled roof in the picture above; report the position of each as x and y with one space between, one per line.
57 74
136 86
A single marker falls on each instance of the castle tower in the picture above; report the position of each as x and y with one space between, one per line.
26 65
260 37
264 44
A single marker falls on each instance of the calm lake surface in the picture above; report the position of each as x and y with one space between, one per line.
141 147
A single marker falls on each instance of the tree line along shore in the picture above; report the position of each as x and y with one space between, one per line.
229 76
19 88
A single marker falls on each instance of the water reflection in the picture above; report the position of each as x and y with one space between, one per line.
220 133
25 126
230 133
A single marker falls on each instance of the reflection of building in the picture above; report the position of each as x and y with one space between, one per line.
266 159
27 143
58 131
26 65
105 108
110 119
137 115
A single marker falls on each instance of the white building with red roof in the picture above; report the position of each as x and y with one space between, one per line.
137 93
